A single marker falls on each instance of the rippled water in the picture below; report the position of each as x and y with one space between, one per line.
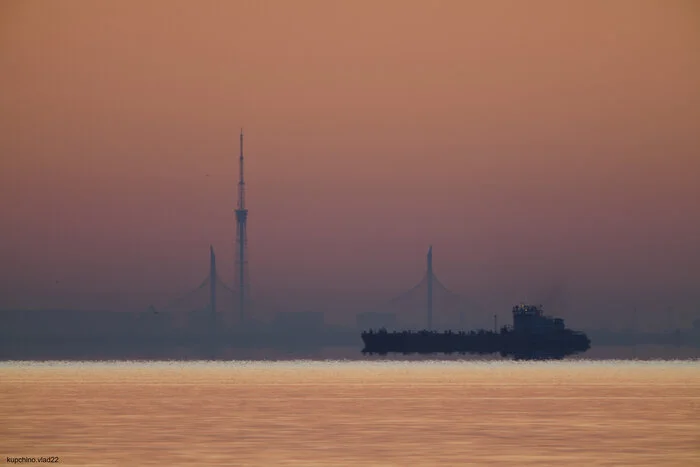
353 413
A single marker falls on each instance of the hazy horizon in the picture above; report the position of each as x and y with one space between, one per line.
548 151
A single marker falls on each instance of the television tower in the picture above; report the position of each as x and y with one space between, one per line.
241 242
430 288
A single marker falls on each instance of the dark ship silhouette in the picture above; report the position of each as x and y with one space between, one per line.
533 336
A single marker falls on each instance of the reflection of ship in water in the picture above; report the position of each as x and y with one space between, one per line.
532 336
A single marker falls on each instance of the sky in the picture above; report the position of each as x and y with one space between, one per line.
543 148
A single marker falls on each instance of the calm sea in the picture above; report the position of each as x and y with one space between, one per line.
352 413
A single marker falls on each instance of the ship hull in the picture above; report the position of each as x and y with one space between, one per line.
554 345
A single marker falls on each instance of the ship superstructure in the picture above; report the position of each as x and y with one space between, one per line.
531 319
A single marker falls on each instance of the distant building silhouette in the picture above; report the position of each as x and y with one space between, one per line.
307 321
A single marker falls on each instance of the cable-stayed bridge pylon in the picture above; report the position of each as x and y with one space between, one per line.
212 296
430 304
199 298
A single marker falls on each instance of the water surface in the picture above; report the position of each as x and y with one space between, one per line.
353 413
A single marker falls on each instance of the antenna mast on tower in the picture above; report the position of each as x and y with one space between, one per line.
241 242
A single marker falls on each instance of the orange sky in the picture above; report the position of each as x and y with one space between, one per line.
531 143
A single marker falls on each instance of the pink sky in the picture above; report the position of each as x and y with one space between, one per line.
531 143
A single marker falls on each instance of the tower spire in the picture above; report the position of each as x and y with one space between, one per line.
241 180
241 241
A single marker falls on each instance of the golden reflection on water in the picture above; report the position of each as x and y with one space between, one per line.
353 413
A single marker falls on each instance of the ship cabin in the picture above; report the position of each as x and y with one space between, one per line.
530 318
